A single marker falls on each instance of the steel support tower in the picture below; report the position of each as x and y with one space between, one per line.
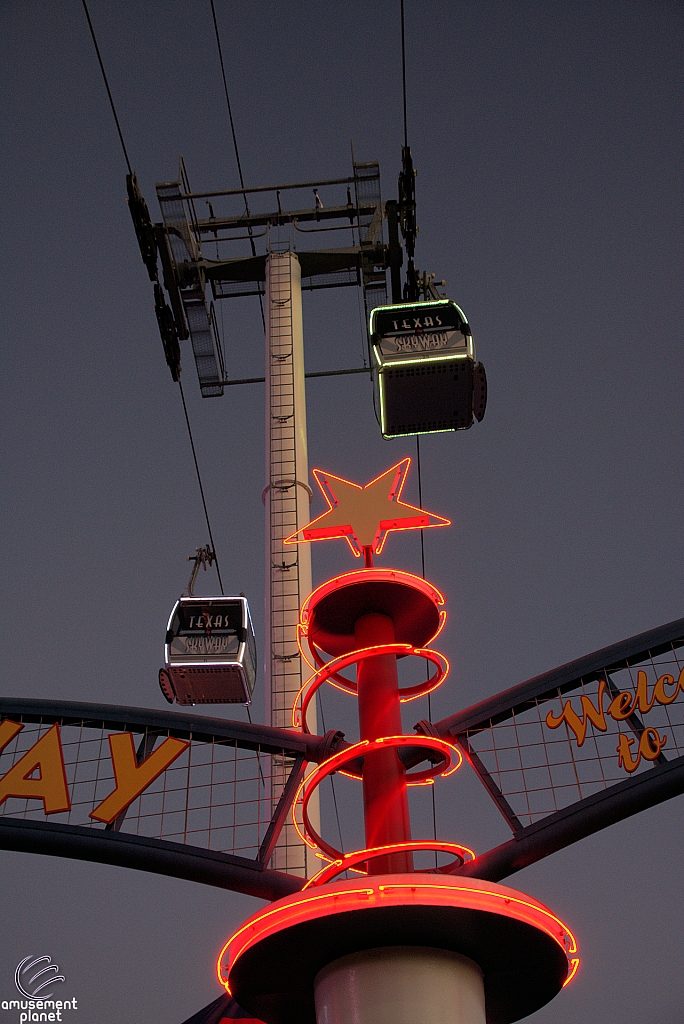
286 496
350 206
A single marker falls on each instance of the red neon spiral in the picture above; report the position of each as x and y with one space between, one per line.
445 756
329 671
407 614
450 760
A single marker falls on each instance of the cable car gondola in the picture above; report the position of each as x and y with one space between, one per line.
210 652
427 379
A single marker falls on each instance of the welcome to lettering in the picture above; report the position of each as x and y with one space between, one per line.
622 707
40 774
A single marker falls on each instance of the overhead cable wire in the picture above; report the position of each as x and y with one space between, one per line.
418 439
403 70
109 92
418 466
332 780
230 112
130 171
235 145
422 572
199 481
420 503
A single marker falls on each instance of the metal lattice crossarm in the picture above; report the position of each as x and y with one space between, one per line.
191 798
180 241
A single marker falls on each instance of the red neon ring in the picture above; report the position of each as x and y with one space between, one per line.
402 651
373 574
331 669
303 631
490 899
350 861
335 763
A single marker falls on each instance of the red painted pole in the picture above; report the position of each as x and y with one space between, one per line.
385 798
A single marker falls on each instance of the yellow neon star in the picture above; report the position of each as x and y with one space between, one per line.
365 515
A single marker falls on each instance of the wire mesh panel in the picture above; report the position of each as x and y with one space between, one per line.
214 794
549 751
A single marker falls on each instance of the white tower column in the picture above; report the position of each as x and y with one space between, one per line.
287 497
400 985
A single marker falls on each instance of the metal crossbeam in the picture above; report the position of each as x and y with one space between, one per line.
312 263
581 819
268 188
504 705
277 218
138 837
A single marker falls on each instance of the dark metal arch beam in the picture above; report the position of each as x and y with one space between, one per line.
209 867
246 735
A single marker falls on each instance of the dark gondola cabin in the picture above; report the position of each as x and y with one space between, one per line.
427 379
210 652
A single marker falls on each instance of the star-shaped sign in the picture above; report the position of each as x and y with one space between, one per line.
365 515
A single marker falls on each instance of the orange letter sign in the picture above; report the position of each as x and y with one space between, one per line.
8 730
132 778
589 712
45 756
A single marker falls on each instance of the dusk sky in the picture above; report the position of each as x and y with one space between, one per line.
548 143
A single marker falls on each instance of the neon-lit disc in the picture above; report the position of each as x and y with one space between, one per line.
329 613
526 953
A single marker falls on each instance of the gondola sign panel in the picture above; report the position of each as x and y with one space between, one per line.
427 327
207 627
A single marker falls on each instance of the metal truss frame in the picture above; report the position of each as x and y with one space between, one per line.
528 845
585 817
186 272
112 846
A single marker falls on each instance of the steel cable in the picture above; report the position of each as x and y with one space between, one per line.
109 93
199 481
235 146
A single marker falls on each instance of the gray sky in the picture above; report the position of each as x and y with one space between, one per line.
547 139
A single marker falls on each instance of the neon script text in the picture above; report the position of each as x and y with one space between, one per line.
622 707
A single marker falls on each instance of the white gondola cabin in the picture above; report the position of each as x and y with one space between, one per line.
427 379
210 652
